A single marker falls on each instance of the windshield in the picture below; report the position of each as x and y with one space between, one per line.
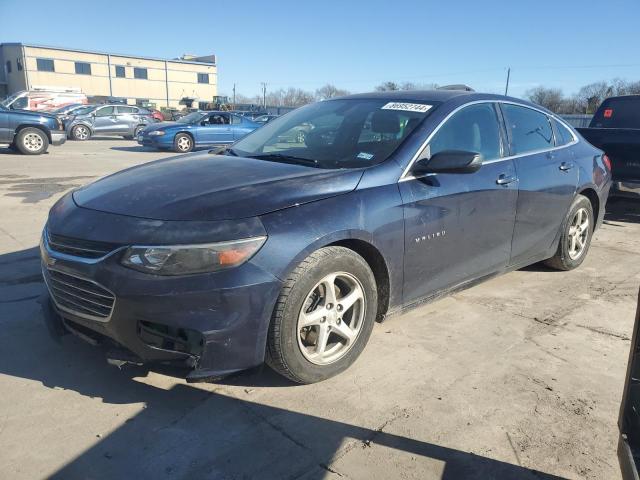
192 117
7 101
83 110
347 133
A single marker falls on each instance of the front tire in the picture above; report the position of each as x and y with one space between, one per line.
324 316
80 133
183 143
32 141
575 239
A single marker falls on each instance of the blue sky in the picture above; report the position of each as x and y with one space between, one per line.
355 45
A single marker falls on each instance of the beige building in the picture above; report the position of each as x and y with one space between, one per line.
139 80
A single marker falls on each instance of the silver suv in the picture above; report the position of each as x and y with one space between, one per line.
122 120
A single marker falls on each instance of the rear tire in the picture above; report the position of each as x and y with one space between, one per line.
32 141
183 143
80 133
318 330
575 239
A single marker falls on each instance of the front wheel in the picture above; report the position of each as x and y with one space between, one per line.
80 132
183 143
575 238
32 141
324 316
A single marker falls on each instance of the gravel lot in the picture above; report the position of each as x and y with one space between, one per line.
520 377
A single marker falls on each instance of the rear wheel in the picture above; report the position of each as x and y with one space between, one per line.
183 143
32 141
80 132
324 316
575 238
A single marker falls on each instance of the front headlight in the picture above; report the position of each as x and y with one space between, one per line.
189 259
156 133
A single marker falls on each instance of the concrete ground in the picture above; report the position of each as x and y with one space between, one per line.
518 378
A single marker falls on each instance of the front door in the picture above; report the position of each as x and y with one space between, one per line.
459 226
548 180
105 121
215 129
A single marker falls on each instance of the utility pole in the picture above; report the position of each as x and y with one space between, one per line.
234 96
264 94
506 88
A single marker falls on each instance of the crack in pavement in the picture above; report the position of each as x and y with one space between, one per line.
604 331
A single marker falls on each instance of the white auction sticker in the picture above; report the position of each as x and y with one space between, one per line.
407 107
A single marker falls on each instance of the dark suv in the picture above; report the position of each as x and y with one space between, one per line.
30 132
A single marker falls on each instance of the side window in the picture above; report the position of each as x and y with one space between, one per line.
530 130
236 120
126 109
472 129
218 119
564 135
104 112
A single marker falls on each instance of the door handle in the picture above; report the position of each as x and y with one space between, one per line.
505 179
565 167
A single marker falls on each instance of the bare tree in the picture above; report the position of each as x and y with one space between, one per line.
591 96
550 98
387 87
330 91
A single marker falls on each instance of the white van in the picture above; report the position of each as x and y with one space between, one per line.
44 98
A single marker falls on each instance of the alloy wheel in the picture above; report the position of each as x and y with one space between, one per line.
331 318
184 144
578 233
81 132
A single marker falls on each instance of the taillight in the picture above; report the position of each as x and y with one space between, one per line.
606 161
608 112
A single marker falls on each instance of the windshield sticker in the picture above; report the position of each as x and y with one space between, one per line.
365 156
407 107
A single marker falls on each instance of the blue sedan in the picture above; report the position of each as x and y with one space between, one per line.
197 130
290 251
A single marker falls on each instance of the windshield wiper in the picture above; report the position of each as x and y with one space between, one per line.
223 151
285 158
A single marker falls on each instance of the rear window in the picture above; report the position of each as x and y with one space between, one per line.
530 129
621 112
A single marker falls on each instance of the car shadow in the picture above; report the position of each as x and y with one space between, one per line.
623 210
135 148
190 431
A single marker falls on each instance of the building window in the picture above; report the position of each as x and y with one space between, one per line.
19 64
203 78
140 73
83 68
45 65
8 66
120 71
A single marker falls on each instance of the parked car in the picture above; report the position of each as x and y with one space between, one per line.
264 118
44 99
157 114
123 120
196 130
289 253
65 113
615 128
30 132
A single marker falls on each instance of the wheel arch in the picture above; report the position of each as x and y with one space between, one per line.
378 265
38 126
592 195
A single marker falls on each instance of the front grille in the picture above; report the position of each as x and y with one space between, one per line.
78 247
79 296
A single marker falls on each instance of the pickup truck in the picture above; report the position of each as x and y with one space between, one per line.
615 128
30 132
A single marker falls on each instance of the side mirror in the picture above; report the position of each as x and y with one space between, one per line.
449 161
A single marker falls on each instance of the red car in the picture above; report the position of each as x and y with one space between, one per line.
157 115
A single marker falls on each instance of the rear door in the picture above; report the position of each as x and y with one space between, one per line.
548 178
459 226
127 119
105 121
5 129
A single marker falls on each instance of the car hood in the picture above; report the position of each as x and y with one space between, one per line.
34 113
202 186
164 126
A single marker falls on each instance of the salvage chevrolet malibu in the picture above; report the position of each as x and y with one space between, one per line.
289 251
